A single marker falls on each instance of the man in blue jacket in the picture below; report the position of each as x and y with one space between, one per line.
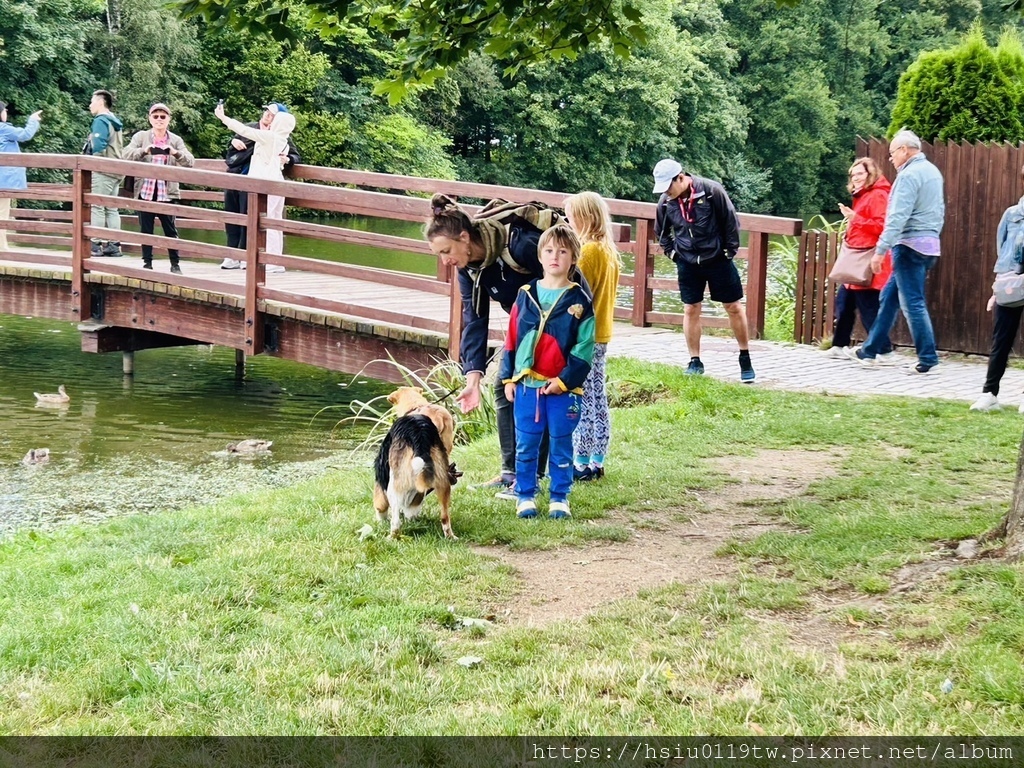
913 223
698 229
13 178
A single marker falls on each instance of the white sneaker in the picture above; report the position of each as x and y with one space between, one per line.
274 268
231 264
987 402
838 353
890 358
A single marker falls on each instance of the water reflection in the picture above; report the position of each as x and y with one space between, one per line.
147 442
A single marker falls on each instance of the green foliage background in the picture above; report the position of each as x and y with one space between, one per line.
972 92
768 98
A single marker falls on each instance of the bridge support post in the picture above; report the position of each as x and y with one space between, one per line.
239 363
81 301
128 363
255 274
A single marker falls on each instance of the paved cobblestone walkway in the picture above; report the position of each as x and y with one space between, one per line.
803 368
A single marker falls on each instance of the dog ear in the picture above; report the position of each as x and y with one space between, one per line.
394 396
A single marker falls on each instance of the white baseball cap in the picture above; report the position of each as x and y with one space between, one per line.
664 172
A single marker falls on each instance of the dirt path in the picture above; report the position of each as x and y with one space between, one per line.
672 545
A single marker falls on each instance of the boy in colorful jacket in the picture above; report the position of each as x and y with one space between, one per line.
548 352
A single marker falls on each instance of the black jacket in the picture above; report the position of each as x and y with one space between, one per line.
709 229
238 160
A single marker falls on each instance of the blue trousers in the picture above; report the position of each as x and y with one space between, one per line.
905 290
535 413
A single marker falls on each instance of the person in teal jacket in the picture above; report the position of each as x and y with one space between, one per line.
548 353
105 140
11 177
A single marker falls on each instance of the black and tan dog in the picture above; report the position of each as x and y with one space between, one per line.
412 461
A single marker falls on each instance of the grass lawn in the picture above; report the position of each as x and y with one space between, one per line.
269 614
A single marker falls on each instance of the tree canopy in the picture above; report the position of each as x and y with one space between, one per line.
432 36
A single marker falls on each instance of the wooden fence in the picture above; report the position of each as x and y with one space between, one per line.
333 191
981 181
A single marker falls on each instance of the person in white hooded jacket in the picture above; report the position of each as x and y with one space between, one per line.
268 159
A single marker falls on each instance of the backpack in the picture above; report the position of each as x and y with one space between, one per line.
524 223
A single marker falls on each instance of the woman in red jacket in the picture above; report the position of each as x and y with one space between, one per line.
865 221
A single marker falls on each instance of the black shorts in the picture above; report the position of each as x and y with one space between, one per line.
719 274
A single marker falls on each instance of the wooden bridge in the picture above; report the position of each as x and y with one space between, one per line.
332 315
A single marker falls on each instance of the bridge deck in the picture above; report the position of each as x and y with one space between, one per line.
367 299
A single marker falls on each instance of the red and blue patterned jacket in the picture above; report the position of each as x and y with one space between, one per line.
557 345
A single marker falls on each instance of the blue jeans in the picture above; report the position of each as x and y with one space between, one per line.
905 290
535 413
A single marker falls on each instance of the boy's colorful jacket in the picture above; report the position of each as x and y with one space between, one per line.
555 345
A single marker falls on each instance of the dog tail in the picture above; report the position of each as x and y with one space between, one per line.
417 465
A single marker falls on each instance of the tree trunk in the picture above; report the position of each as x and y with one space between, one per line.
1012 526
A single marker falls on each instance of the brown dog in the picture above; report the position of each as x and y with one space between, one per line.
407 400
412 461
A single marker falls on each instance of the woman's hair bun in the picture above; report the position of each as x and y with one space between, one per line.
440 203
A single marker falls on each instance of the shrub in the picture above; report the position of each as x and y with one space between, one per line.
968 93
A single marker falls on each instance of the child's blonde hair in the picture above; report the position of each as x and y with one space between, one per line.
564 236
590 213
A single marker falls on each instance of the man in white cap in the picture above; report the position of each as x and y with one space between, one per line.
697 227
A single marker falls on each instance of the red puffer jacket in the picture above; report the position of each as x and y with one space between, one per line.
866 226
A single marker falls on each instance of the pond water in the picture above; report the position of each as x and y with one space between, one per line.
156 440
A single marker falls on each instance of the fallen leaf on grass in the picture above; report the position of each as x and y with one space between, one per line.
469 661
365 532
467 622
928 697
853 621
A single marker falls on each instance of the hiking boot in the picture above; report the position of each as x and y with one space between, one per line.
147 265
987 402
175 269
747 374
695 368
559 510
526 509
96 250
112 249
500 482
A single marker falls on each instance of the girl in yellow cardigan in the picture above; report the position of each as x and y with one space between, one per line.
599 262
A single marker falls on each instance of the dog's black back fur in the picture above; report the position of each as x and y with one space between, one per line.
416 431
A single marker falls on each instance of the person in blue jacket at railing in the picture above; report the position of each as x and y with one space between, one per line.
13 178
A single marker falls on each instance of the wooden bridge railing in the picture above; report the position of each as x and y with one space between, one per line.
320 190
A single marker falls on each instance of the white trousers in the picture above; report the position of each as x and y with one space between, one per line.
275 237
5 214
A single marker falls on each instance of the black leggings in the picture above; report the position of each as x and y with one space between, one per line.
1004 333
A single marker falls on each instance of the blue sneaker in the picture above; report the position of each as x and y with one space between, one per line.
695 368
526 509
559 510
747 374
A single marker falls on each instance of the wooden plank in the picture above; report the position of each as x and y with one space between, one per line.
757 273
643 271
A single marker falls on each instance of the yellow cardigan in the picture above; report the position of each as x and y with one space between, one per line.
600 267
